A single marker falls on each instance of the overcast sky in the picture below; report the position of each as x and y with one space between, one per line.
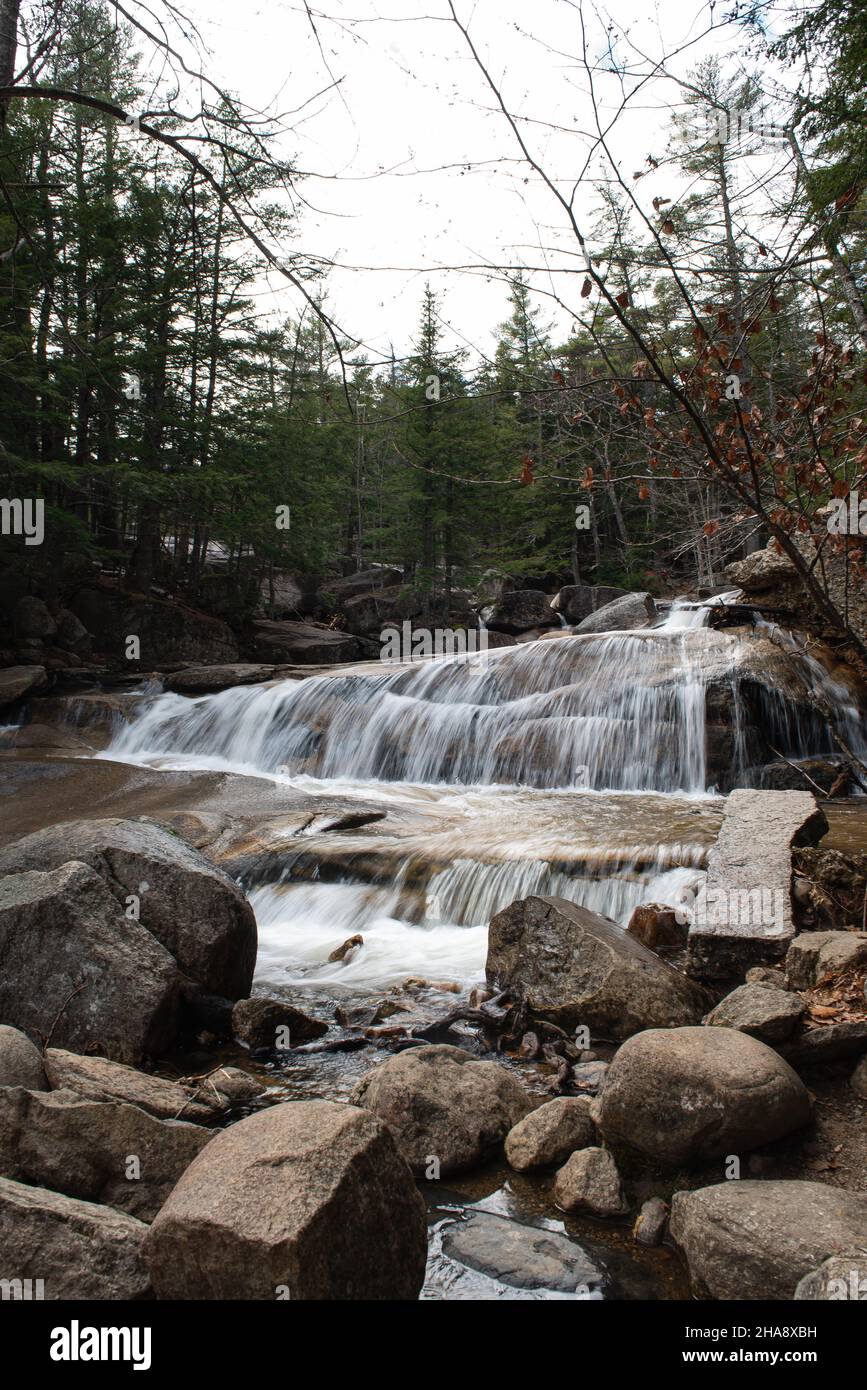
413 168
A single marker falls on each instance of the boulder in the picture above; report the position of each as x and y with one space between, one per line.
572 967
742 916
550 1134
574 602
621 615
302 643
18 681
184 901
87 1148
766 975
685 1095
78 1250
306 1200
200 680
650 1223
818 953
168 631
77 970
754 1239
32 619
760 1010
272 1023
658 927
72 635
95 1078
826 1044
440 1103
841 1278
20 1061
590 1182
519 611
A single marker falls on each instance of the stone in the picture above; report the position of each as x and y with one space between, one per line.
841 1278
858 1079
84 1148
589 1181
305 1200
95 1078
760 1010
18 681
621 615
577 601
548 1136
302 643
77 970
685 1095
758 1238
522 1257
766 975
650 1223
657 927
817 953
827 1043
347 949
743 914
589 1077
169 631
573 967
201 680
32 619
441 1103
519 611
72 635
20 1061
256 1023
185 902
79 1250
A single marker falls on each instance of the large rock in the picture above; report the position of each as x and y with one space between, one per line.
168 631
684 1095
827 1043
742 916
519 611
757 1240
18 681
590 1182
32 619
20 1061
95 1078
440 1103
571 966
574 602
817 953
198 680
307 1200
621 615
763 1012
841 1278
78 1250
90 1149
190 906
79 972
302 643
550 1134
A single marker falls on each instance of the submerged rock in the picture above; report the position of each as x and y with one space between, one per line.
79 1249
522 1257
758 1239
572 967
590 1182
307 1200
550 1134
191 907
441 1104
684 1095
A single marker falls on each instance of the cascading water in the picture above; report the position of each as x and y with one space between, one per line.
591 720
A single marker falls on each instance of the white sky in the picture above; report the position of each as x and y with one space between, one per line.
411 101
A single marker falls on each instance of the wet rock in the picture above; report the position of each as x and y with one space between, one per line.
589 1077
200 680
204 1012
231 1084
760 1010
827 1044
589 1181
519 611
758 1239
307 1200
858 1079
18 681
743 915
550 1134
77 969
181 898
798 776
84 1148
95 1078
650 1223
440 1103
79 1250
522 1257
657 927
621 615
347 950
683 1095
20 1061
272 1023
841 1278
814 954
573 967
